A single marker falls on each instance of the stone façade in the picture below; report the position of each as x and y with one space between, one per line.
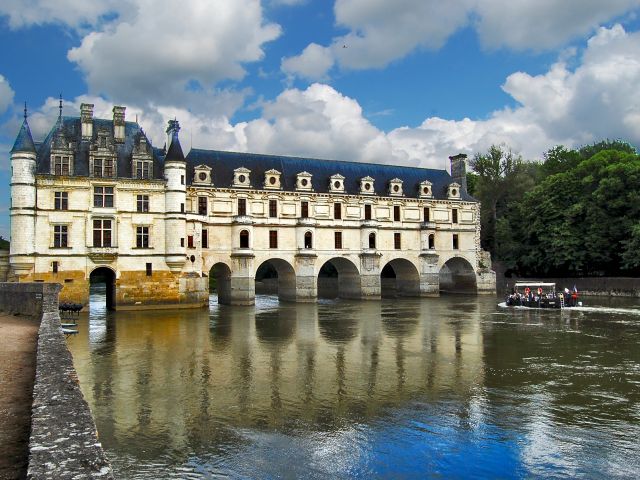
96 198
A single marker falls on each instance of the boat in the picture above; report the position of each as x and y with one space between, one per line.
541 295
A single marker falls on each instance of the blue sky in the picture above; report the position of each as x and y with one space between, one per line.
405 82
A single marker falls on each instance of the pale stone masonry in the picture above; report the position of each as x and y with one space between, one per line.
96 199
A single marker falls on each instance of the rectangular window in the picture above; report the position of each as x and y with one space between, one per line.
367 212
143 169
304 209
182 242
455 241
338 240
189 241
397 241
273 239
61 165
202 205
61 200
427 214
60 236
182 208
337 211
396 213
102 233
205 238
142 203
273 208
97 167
149 269
108 167
142 237
103 197
181 179
454 215
54 267
242 206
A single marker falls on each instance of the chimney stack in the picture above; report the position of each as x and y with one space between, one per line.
86 120
118 123
459 170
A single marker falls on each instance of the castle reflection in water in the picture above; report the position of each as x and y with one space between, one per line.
184 374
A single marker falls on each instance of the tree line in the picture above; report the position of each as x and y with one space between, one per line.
575 213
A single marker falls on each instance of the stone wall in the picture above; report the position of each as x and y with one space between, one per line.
63 442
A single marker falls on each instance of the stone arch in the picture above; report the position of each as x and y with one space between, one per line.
348 283
457 276
285 275
399 278
308 239
106 276
245 239
220 282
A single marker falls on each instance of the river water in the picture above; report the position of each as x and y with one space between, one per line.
450 387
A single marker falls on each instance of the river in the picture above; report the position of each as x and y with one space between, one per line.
449 387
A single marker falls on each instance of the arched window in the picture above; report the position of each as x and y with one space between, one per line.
244 239
372 240
308 240
432 242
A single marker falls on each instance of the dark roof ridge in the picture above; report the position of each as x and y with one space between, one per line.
273 155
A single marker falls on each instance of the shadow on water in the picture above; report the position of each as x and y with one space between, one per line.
450 386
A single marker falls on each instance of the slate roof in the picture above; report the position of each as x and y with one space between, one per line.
224 163
24 140
73 133
175 150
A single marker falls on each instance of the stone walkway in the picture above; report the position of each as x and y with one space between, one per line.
18 341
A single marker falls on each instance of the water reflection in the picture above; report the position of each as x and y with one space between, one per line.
344 388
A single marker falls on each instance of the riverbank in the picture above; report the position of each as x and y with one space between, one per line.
18 343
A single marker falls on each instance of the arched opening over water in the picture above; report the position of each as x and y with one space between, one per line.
457 276
220 282
102 289
277 276
399 278
339 277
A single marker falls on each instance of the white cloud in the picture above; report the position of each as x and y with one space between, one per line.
73 13
313 63
380 31
6 94
166 54
596 100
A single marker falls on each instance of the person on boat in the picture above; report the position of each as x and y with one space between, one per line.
574 297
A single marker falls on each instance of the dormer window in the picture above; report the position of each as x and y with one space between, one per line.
202 175
303 182
272 179
241 177
141 160
61 155
425 189
366 186
453 191
336 183
61 164
102 158
395 187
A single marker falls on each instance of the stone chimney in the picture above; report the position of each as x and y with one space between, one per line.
86 120
459 170
118 123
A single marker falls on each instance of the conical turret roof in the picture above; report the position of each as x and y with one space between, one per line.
175 150
24 140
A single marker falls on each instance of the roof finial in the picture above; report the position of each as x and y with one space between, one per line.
60 106
25 111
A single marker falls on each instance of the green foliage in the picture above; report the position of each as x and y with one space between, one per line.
582 217
4 244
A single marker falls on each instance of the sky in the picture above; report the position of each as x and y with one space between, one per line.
407 82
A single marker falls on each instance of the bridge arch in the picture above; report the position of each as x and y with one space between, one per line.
457 276
220 282
348 284
102 281
284 275
400 278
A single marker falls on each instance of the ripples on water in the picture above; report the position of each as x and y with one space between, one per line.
451 387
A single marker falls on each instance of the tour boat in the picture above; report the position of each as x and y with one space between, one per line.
541 295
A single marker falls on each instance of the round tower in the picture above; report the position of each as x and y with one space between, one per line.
23 202
175 173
